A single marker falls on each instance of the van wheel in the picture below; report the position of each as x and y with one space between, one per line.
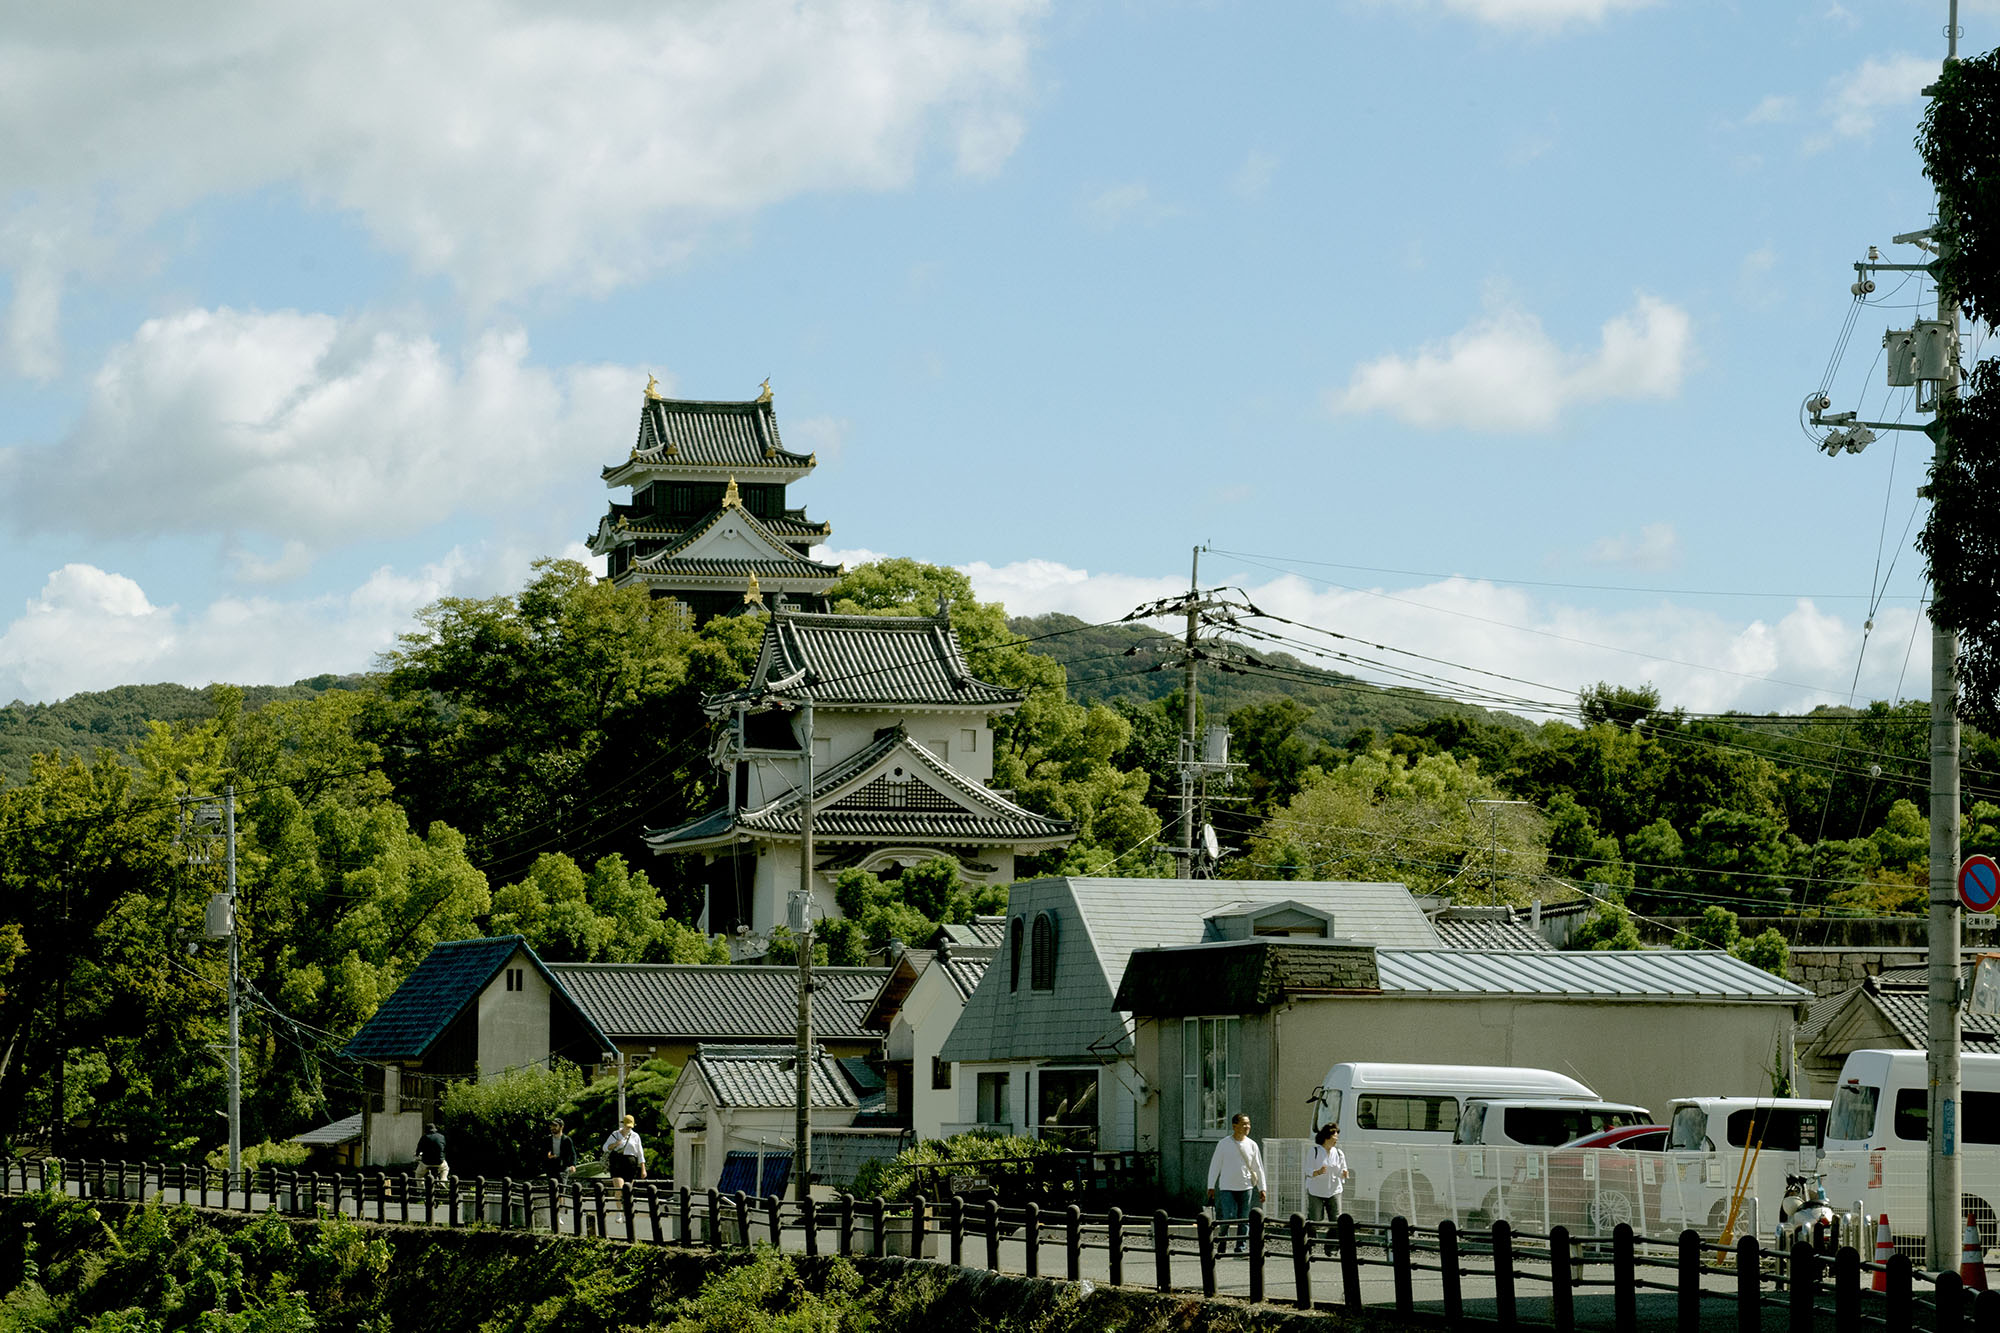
1481 1218
1608 1209
1397 1201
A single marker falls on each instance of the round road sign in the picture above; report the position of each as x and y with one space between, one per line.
1979 883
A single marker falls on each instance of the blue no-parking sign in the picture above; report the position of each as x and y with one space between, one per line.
1979 883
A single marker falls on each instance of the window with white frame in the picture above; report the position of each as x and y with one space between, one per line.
1211 1075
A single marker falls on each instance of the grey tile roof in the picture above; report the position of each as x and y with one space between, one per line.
782 557
1100 922
707 434
871 661
847 806
965 972
646 524
982 932
1654 975
1458 934
763 1078
451 976
702 1002
345 1130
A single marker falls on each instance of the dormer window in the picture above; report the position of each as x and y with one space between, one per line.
1042 962
1014 954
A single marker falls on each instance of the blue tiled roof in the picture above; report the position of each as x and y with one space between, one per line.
451 976
739 1172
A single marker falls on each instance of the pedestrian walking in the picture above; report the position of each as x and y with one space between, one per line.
1236 1168
1326 1179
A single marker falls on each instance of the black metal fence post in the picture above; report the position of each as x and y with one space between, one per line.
597 1205
1802 1285
1985 1311
1949 1300
1073 1242
1114 1245
809 1219
1031 1236
1302 1261
381 1196
742 1211
1561 1284
686 1216
846 1224
1624 1277
1899 1305
1846 1290
1749 1272
1350 1263
1204 1239
653 1211
1687 1305
993 1235
479 1198
956 1222
919 1219
1454 1300
878 1215
1256 1256
1399 1257
1163 1251
773 1213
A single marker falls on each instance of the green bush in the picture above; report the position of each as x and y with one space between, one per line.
266 1153
593 1113
894 1180
498 1127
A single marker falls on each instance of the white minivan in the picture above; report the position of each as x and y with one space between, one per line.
1719 1142
1875 1150
1397 1122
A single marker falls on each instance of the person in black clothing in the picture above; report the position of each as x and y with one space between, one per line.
561 1156
430 1155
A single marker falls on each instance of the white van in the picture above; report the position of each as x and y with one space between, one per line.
1876 1152
1397 1122
1716 1140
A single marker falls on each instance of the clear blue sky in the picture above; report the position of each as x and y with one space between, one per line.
1476 328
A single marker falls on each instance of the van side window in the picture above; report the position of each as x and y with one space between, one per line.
1912 1111
1779 1127
1978 1115
1383 1111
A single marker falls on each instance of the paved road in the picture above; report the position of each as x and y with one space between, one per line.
1593 1305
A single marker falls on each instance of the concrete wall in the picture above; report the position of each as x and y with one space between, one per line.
928 1013
514 1024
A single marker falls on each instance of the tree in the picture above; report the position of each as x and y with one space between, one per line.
611 915
1618 705
1609 926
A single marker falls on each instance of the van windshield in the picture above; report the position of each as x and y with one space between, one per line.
1853 1115
1690 1130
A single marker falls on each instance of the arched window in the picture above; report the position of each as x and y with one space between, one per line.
1042 965
1014 947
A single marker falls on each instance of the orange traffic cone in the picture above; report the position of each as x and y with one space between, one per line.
1972 1259
1885 1250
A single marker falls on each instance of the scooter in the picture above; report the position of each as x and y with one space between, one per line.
1806 1217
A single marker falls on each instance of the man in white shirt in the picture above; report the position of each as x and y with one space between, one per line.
1236 1168
1326 1177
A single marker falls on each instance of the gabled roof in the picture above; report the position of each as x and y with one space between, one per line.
1898 998
431 998
869 662
720 1003
891 790
731 535
629 523
697 434
1656 976
345 1130
982 932
1099 923
765 1078
965 970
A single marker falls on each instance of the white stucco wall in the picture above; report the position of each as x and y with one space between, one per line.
513 1025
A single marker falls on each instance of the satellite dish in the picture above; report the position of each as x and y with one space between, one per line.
1209 843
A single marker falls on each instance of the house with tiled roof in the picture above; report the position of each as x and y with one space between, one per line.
707 523
901 763
667 1011
1884 1013
916 1009
471 1009
1042 1048
733 1112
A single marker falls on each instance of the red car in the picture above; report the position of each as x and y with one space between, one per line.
1609 1177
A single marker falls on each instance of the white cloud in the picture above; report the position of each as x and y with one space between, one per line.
1699 659
1655 546
1857 97
1546 14
91 629
1772 109
1118 203
1503 372
1254 177
510 148
307 429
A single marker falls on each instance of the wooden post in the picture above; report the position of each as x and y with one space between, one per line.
430 1198
1163 1251
742 1219
450 1199
1073 1242
1031 1236
402 1201
1114 1245
993 1235
1985 1312
204 1185
918 1208
479 1198
1899 1306
1802 1276
686 1216
1562 1284
957 1225
1749 1269
1204 1240
1256 1256
878 1214
1624 1277
714 1220
1687 1316
846 1223
809 1219
1302 1261
1350 1263
1454 1297
653 1212
1949 1299
627 1197
775 1218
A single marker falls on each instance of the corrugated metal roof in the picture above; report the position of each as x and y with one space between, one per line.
702 1002
1625 974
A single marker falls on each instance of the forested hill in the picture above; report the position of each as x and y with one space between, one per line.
114 719
1100 671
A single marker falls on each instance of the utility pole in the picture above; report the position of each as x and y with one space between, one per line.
802 931
1927 355
235 988
1184 853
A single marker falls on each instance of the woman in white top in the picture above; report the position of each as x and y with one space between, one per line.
1326 1177
624 1155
